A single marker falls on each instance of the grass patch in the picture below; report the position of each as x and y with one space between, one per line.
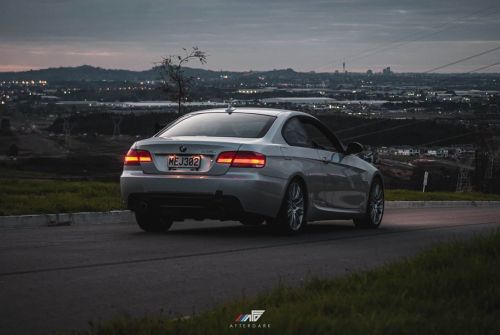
54 196
37 196
450 289
407 195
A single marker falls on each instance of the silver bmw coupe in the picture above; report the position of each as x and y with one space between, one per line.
253 165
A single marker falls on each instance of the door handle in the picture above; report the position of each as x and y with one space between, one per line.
325 160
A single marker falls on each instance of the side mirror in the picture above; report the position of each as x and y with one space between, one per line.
354 148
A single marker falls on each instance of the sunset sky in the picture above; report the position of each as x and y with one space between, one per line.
258 34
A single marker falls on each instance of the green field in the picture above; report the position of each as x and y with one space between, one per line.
29 196
452 289
51 196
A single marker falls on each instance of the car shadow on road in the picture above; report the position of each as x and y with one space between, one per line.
235 231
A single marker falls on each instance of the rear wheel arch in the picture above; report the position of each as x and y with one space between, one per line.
301 179
292 204
295 176
376 177
366 220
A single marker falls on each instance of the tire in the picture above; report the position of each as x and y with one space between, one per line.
153 222
291 218
374 209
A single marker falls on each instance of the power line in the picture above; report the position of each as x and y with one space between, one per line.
483 67
360 126
462 60
413 37
384 130
419 36
446 138
406 125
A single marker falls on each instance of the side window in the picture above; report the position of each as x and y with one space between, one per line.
318 137
295 134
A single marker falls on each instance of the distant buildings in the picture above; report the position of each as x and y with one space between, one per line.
432 152
387 71
300 100
256 90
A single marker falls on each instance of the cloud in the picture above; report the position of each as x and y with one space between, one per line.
237 33
401 11
17 67
91 53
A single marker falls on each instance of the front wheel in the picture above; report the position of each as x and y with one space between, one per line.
153 222
374 209
292 216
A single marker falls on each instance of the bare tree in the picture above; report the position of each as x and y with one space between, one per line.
171 69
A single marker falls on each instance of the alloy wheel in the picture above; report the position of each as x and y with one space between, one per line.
376 210
295 206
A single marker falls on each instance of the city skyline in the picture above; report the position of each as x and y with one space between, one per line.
240 36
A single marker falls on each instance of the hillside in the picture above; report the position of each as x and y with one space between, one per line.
276 77
87 73
91 73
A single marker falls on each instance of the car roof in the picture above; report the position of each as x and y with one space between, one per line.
252 110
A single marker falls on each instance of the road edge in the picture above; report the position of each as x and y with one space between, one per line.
66 219
441 204
126 216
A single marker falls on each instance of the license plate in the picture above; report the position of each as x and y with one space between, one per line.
183 161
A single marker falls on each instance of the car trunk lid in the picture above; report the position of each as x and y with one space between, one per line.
188 149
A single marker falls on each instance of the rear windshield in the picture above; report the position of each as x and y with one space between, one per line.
221 125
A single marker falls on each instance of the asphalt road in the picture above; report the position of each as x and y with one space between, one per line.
59 278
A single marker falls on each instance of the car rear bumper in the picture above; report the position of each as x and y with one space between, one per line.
227 196
183 205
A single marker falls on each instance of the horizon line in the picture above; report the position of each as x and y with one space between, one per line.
33 69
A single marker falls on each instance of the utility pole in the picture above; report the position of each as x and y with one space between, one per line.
490 167
117 120
463 181
67 127
488 173
426 178
485 158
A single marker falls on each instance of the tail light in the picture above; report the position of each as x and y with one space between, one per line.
135 157
244 159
